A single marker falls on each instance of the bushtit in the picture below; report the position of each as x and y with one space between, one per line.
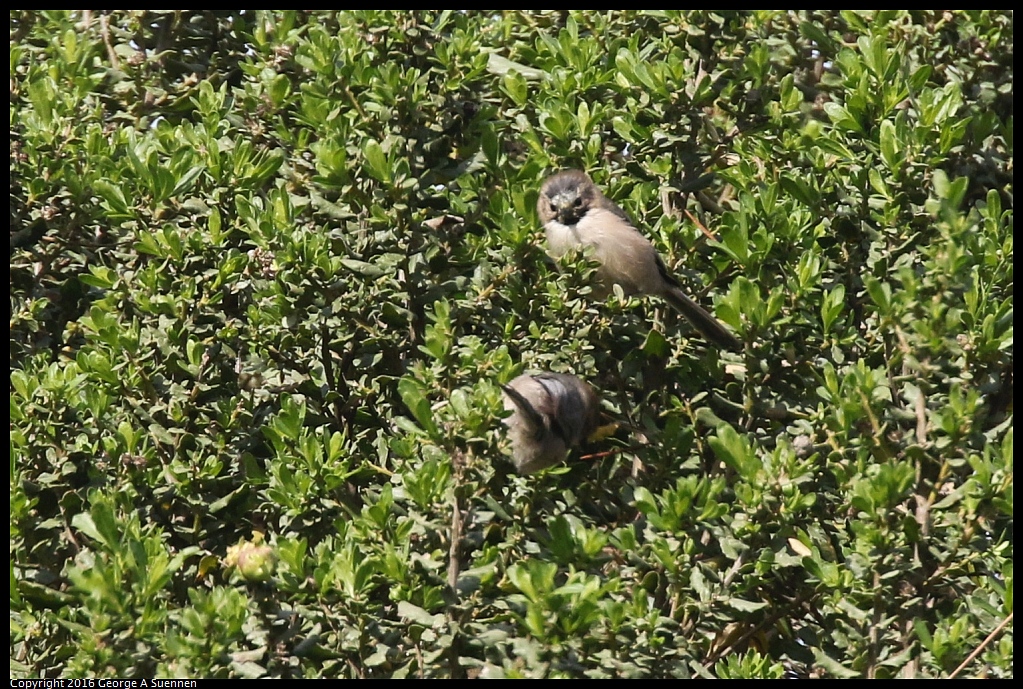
577 215
550 414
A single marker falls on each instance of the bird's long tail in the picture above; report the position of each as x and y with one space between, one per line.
710 327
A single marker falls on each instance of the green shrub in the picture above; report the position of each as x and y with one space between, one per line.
269 270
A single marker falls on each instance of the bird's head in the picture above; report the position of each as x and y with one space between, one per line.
566 197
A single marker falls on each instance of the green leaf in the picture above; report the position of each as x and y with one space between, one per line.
842 119
114 200
415 400
376 161
735 451
889 146
370 270
502 66
832 306
832 666
99 523
187 180
515 86
100 276
416 614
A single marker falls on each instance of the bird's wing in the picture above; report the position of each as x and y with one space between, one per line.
626 256
574 408
535 418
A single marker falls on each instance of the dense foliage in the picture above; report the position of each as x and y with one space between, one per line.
269 270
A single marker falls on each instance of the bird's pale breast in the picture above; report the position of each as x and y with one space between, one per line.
626 257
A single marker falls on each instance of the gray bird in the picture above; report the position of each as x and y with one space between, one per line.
550 414
576 215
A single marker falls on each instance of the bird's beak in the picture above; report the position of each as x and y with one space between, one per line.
565 211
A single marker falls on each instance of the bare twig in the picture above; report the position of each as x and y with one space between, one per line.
453 548
921 419
703 228
985 642
104 30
